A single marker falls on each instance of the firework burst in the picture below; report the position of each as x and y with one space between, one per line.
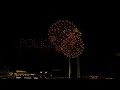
65 36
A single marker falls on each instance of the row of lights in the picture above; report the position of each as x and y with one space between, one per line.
29 43
43 72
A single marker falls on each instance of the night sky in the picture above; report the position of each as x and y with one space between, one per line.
99 32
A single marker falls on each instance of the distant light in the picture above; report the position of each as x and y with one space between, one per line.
109 78
117 54
40 71
46 72
32 74
3 78
20 71
27 78
18 77
35 77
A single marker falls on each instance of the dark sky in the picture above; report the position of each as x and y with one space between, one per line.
100 34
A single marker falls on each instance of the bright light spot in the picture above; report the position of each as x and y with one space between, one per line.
18 77
27 78
45 72
35 77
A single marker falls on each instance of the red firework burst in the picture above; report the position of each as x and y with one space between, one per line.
58 31
72 47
